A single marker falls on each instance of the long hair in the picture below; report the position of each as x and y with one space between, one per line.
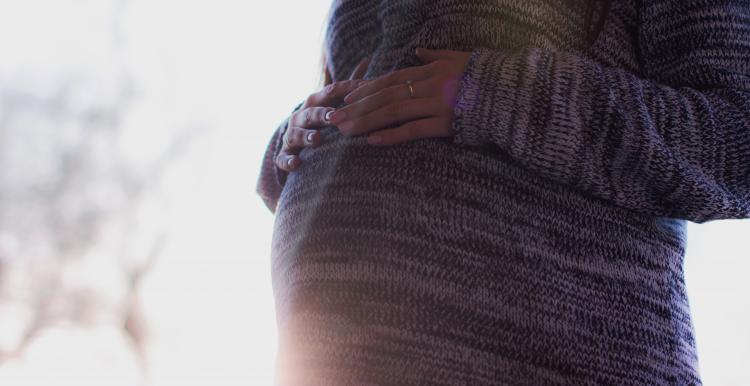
325 75
595 18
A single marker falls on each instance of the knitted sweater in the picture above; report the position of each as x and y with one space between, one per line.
543 244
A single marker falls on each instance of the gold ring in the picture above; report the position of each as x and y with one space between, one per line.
411 88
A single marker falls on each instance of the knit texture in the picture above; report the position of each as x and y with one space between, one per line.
543 244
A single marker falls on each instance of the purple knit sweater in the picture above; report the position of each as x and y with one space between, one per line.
543 244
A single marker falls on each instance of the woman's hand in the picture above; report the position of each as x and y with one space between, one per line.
386 100
314 114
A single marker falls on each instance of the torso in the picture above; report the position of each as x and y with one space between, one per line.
426 263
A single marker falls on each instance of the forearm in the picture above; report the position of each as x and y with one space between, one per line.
664 151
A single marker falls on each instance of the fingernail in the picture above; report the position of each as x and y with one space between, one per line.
289 161
338 117
328 115
348 98
362 83
310 137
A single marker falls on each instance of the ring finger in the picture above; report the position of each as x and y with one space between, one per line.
392 94
391 79
396 112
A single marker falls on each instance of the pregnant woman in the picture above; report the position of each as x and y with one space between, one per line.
522 218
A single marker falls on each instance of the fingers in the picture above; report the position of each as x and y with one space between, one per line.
315 113
331 95
381 98
421 128
297 138
393 113
287 162
390 79
361 69
311 117
294 140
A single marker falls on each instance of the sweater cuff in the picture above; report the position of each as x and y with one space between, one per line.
484 100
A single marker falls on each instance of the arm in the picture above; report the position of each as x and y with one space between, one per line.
674 144
271 179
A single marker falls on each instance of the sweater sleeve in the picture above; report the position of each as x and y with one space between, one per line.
271 179
673 143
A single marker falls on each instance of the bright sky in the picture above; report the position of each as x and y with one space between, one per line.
231 71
